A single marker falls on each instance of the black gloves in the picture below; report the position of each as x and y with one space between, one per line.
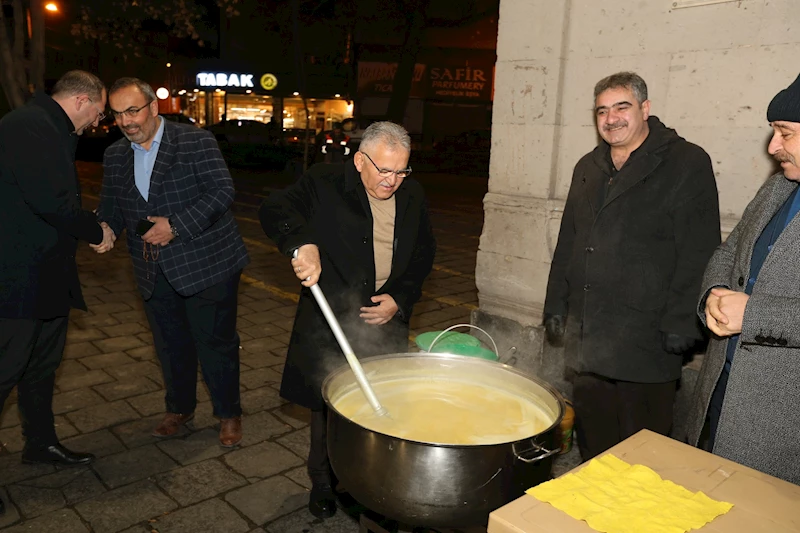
677 344
554 328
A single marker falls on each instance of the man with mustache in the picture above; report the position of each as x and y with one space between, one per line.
747 401
639 224
167 184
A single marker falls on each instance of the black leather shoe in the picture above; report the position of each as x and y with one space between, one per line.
55 455
322 502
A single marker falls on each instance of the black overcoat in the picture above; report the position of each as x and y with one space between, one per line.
41 218
328 207
628 263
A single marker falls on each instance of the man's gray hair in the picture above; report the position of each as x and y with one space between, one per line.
124 83
392 135
629 80
77 82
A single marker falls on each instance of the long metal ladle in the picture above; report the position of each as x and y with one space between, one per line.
352 360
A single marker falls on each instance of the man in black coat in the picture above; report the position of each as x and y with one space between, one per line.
361 229
640 223
168 186
41 221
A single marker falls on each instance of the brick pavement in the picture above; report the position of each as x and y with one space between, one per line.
109 396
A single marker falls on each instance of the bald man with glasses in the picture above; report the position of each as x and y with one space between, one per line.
361 230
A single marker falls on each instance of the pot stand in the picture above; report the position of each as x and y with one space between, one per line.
368 525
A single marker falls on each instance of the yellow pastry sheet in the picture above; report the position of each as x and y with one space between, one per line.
615 497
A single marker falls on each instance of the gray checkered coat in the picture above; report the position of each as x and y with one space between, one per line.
191 185
760 422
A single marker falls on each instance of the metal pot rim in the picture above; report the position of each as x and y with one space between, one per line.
452 357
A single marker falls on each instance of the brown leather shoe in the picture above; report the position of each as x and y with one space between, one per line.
170 425
230 431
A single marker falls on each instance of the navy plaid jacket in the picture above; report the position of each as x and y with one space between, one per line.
191 185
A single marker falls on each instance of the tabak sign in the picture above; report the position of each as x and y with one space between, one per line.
446 82
224 79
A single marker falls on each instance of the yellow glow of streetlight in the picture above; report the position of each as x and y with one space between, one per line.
169 65
51 6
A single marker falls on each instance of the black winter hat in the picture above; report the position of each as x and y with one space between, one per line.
786 104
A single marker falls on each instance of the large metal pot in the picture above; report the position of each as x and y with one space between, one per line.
438 485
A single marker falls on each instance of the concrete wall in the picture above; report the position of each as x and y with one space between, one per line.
711 71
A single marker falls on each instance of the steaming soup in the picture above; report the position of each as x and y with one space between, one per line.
442 411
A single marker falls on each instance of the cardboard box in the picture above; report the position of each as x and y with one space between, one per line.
761 503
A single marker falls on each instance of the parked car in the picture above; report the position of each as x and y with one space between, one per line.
333 145
180 118
354 128
296 136
251 143
95 139
465 153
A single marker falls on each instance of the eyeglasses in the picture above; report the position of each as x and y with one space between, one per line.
385 172
100 114
130 112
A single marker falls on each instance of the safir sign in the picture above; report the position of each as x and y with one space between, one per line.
222 79
457 81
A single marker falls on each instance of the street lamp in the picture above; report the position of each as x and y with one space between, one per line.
52 7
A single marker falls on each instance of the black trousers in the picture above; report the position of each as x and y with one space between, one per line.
30 352
319 467
609 411
198 327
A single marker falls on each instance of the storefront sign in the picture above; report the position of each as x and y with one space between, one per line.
463 82
377 79
269 81
220 79
471 81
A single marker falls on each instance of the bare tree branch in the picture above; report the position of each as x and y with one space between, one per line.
115 22
401 89
7 80
19 73
37 58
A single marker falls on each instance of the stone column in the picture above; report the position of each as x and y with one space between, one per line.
522 213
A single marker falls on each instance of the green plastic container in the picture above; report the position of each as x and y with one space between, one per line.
469 351
424 340
455 343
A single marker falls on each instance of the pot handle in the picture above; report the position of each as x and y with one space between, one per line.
464 326
544 453
509 358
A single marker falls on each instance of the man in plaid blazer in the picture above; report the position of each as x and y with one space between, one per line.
168 185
